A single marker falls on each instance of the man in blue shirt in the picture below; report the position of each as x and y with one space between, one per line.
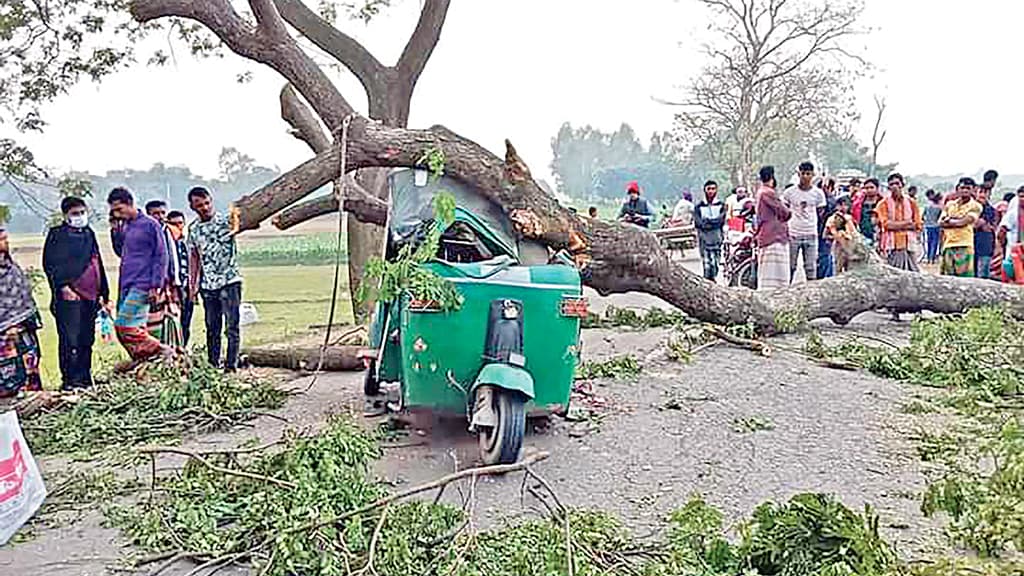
140 243
985 227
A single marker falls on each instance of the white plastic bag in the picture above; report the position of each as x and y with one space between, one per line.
21 486
247 314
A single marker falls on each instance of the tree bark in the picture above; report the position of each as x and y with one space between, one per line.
616 258
365 240
361 205
336 358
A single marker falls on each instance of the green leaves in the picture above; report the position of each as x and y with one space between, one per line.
161 403
977 358
984 495
404 274
45 49
654 317
618 368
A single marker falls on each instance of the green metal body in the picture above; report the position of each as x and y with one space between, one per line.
438 356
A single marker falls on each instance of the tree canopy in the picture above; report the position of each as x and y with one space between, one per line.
777 74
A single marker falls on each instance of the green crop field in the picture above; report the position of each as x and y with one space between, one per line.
307 249
288 300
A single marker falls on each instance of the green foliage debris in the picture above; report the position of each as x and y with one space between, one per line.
978 459
159 403
405 274
624 367
614 317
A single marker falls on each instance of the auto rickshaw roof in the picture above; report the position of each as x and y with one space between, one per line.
412 204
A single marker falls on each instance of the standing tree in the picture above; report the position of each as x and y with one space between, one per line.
389 92
776 68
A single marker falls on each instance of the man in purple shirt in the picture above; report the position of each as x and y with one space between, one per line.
139 241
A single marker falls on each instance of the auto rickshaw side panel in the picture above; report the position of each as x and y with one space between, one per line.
442 352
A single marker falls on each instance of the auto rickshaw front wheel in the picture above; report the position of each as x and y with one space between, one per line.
502 443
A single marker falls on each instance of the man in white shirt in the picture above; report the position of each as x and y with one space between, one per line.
807 202
682 214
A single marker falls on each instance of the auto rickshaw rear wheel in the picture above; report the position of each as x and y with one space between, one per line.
502 443
371 387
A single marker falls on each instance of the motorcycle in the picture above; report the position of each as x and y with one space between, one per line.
741 261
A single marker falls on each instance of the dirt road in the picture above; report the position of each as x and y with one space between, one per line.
733 426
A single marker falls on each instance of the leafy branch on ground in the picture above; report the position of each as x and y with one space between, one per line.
978 459
625 367
158 402
331 520
632 318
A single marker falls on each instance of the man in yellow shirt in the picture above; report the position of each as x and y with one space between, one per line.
957 223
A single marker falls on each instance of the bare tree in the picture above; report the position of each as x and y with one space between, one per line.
776 66
612 257
878 135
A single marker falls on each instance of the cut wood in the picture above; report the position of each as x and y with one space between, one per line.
305 358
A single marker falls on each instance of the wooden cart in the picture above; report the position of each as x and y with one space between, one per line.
677 239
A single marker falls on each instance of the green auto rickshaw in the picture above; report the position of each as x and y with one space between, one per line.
509 350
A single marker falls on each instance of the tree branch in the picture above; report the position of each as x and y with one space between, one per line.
248 41
423 40
268 20
366 207
341 46
305 125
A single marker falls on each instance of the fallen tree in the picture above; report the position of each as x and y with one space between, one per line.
618 258
305 358
613 258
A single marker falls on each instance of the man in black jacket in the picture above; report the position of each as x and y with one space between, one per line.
709 219
78 282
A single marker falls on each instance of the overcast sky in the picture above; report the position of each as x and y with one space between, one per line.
520 69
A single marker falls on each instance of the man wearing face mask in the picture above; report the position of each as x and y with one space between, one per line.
78 283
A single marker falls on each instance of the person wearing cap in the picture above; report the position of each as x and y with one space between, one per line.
636 210
957 223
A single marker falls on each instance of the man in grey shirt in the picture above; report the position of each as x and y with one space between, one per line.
807 203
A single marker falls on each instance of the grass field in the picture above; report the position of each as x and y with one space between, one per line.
288 298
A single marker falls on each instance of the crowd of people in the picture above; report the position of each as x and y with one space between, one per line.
815 221
164 270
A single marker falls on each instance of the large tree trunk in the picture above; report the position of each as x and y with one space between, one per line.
617 258
365 240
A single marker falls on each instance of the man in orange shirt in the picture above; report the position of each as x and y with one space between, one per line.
899 222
